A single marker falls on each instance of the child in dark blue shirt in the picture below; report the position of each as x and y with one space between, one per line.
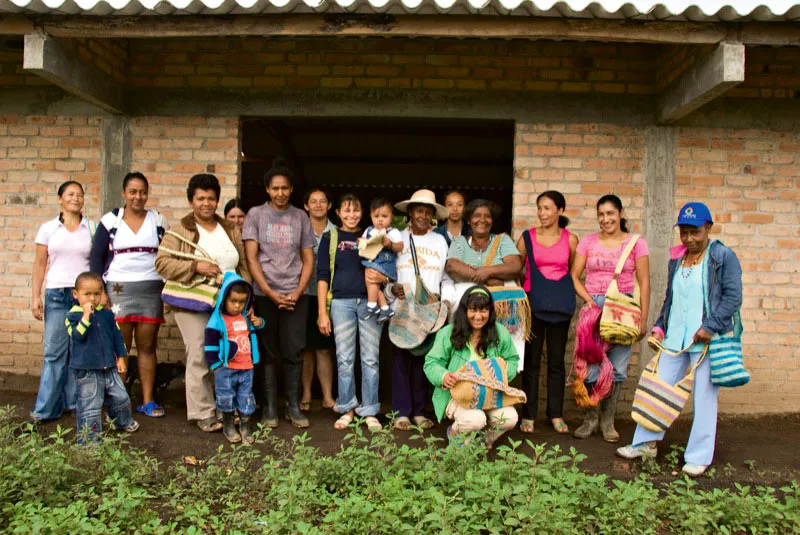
97 357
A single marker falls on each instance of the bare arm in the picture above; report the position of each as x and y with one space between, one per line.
459 271
508 270
323 320
305 274
523 254
251 252
578 265
643 278
39 269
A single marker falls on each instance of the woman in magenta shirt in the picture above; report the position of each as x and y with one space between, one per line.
598 255
547 253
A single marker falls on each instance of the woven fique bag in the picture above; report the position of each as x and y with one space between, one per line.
657 404
483 384
622 313
199 294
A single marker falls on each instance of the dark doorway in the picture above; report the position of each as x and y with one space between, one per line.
383 157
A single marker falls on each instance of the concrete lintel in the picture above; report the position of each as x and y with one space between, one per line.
702 83
55 62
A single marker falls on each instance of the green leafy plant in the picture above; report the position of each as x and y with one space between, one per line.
373 485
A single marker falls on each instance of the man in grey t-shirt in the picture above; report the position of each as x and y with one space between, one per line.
279 243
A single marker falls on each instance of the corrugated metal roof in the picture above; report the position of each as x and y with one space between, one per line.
677 10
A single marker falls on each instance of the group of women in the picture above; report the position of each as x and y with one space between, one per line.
310 288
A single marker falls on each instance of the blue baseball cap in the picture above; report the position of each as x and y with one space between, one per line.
694 214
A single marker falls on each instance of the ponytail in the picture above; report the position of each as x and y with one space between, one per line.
563 221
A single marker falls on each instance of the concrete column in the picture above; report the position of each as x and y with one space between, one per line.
659 214
115 159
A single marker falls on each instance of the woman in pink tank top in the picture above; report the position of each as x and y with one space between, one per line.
547 253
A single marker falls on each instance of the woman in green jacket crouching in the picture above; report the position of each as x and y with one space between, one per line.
474 334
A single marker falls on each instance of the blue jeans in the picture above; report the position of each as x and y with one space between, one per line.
57 384
234 390
346 319
97 388
619 356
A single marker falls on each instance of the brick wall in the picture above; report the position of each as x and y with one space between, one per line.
394 63
169 150
584 162
750 180
37 153
770 73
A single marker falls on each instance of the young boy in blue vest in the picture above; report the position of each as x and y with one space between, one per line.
231 351
97 358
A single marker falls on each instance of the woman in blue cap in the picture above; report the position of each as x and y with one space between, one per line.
700 271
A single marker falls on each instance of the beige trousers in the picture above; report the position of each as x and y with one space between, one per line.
473 420
199 380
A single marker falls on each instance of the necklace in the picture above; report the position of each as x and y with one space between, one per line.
686 271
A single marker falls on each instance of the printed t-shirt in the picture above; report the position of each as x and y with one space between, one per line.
601 262
431 257
281 237
239 334
68 252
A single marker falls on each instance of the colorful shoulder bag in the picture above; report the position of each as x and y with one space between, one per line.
622 313
199 294
332 246
657 403
483 384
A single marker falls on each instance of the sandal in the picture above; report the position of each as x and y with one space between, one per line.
151 409
328 406
402 423
560 426
305 406
343 422
209 425
372 423
526 426
423 422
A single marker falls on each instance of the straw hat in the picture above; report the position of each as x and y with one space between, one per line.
427 197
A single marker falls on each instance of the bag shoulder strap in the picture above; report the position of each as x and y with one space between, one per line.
625 254
493 250
332 246
413 253
661 349
200 253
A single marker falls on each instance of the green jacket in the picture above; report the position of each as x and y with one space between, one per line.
443 358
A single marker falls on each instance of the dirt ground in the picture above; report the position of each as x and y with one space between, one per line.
754 450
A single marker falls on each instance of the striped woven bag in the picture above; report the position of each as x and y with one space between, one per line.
727 363
657 404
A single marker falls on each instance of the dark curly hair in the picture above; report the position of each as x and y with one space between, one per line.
202 181
477 296
480 203
280 167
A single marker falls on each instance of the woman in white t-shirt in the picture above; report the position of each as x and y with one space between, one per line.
64 242
124 253
222 241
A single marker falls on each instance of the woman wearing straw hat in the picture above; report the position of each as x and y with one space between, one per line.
410 387
704 291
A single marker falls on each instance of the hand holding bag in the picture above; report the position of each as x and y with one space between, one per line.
656 403
199 294
622 314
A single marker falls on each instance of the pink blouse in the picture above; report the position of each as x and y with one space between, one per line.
600 264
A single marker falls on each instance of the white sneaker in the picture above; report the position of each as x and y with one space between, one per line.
694 470
634 452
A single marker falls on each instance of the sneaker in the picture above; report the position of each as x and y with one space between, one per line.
385 315
634 452
371 311
694 470
131 428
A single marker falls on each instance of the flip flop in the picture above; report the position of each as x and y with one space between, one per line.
526 426
305 406
423 422
402 423
560 427
149 408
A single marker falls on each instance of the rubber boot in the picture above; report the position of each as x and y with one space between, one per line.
293 412
229 428
590 425
244 430
608 411
270 416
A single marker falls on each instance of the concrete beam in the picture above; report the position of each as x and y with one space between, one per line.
706 80
659 216
115 159
55 62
